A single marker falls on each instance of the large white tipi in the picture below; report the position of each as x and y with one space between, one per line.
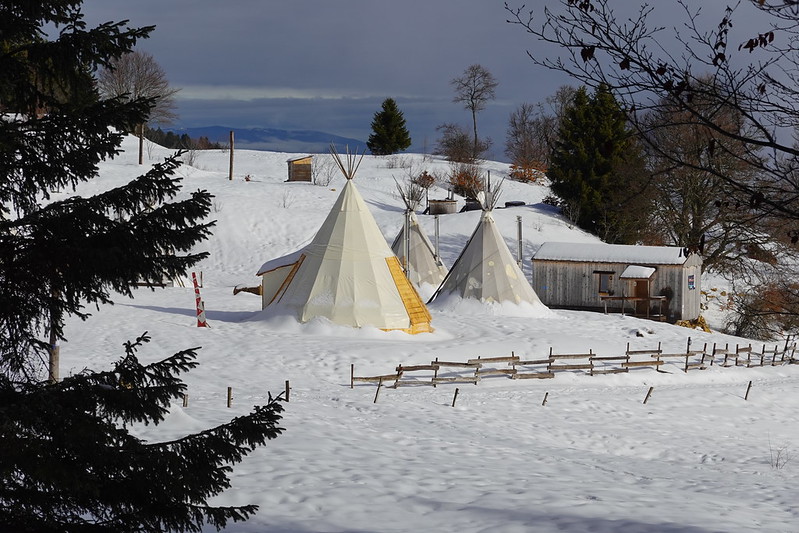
347 274
416 253
486 270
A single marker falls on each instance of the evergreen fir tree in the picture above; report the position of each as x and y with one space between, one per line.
597 168
389 132
68 461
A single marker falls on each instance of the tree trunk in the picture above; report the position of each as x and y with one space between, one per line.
474 124
54 349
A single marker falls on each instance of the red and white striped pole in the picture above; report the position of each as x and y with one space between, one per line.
201 322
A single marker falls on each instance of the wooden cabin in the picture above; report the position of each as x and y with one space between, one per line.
658 282
300 168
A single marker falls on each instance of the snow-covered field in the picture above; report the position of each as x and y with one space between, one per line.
695 458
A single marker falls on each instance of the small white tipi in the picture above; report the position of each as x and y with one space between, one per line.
486 270
422 265
347 274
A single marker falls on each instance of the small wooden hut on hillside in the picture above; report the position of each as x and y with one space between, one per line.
300 168
661 282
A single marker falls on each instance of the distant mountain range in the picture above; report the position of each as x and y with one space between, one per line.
274 140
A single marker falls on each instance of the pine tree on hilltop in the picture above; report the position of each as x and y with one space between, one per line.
597 168
68 461
389 132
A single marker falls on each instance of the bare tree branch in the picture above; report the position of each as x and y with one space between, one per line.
137 75
648 69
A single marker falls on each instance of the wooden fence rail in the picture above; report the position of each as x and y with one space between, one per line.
513 367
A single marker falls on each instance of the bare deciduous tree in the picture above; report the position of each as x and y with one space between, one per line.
744 60
532 131
323 169
473 89
525 141
694 208
457 146
138 75
648 67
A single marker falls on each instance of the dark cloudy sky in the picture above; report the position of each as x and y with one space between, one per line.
327 65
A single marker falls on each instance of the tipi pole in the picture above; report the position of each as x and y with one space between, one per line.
406 244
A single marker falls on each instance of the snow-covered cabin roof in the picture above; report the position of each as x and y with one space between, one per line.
637 272
611 253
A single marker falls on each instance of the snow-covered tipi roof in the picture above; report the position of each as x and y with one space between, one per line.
423 266
347 274
486 270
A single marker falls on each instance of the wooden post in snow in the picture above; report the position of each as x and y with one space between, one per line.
377 392
230 174
455 397
519 236
229 396
546 395
748 388
648 394
141 143
437 237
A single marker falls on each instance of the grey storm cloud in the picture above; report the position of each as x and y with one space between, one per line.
316 64
322 65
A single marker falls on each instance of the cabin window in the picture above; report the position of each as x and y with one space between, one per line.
605 280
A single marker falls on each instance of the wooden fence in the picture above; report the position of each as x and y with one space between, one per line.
513 367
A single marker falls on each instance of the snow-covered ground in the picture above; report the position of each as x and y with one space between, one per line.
695 458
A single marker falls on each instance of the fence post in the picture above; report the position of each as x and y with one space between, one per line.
352 375
185 400
229 396
648 394
455 397
287 390
546 394
379 384
748 388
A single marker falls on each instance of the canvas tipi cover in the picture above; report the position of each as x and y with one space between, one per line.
485 269
347 274
423 265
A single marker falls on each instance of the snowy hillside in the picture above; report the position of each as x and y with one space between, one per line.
696 457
